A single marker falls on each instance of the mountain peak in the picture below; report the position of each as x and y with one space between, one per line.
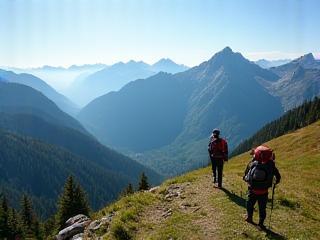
224 53
226 56
137 63
167 65
133 61
305 59
164 61
227 50
308 58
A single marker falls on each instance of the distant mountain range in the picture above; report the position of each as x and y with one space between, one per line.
32 81
306 61
59 77
300 80
271 63
41 146
114 77
161 115
167 118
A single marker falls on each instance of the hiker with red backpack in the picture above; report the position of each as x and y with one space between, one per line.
259 175
218 152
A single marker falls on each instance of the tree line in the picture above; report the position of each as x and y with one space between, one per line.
25 224
299 117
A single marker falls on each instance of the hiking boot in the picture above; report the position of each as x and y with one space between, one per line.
262 227
214 180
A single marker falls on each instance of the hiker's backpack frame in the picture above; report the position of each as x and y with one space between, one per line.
255 167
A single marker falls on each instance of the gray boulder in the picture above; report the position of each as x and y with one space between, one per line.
76 219
75 227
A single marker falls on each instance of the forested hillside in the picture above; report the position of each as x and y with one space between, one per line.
41 146
77 143
18 98
299 117
38 84
40 170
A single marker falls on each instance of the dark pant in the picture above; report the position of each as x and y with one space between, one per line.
262 202
217 166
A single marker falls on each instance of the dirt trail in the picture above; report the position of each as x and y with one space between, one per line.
190 200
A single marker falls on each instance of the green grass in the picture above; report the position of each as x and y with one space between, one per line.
297 198
188 177
127 211
296 210
176 227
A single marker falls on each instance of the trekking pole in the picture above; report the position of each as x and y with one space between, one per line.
272 199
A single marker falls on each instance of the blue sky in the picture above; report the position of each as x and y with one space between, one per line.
66 32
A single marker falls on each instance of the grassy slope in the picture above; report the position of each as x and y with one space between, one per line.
203 212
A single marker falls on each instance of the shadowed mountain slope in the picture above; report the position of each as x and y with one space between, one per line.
38 84
300 80
18 98
169 113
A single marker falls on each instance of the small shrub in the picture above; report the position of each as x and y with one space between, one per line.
120 232
289 203
129 215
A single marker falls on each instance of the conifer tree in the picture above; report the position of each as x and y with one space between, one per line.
4 212
81 203
143 184
128 190
49 226
26 212
13 223
65 204
29 222
72 201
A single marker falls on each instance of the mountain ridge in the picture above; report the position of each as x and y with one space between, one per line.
18 98
114 77
38 84
37 135
264 63
195 101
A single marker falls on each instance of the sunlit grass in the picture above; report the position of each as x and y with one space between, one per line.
297 199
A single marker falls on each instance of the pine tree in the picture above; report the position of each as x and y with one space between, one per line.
49 226
13 223
4 213
26 212
143 184
29 222
71 202
128 190
81 203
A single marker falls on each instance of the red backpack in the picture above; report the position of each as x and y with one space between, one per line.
261 172
264 154
218 147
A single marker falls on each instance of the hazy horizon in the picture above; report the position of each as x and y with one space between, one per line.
64 33
316 56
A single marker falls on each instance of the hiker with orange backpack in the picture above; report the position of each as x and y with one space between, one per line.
259 175
218 152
